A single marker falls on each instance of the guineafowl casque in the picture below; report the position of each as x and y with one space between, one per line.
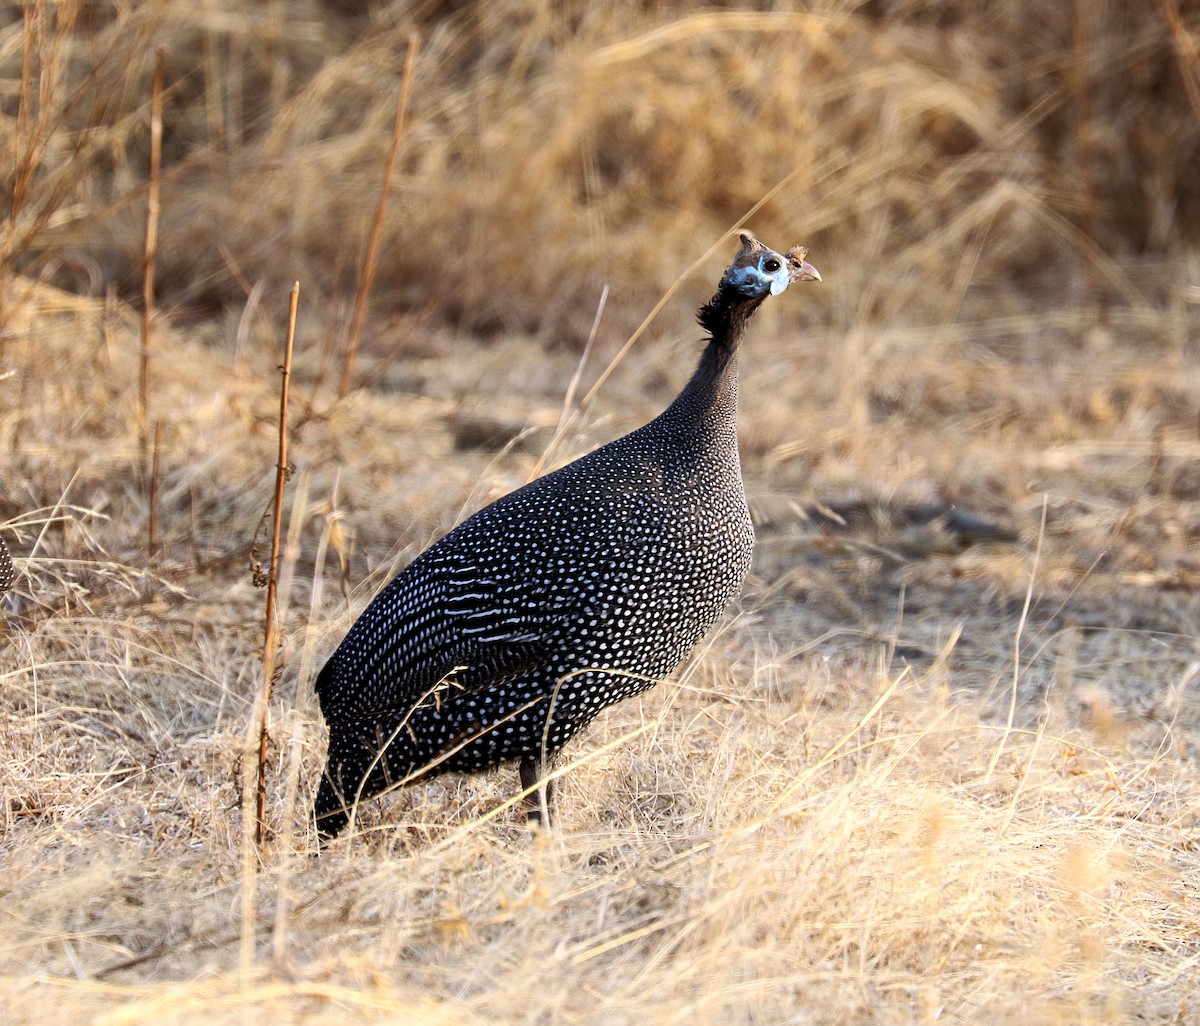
580 589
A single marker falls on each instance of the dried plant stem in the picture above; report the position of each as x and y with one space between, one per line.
269 633
367 278
155 468
295 725
1082 33
1018 637
148 255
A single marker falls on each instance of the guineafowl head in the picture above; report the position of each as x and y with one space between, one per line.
756 272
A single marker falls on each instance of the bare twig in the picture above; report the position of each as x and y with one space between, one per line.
148 256
367 278
155 467
1084 129
269 634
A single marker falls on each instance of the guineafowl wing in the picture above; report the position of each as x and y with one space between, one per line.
444 620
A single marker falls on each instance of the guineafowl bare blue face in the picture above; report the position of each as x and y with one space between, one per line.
584 587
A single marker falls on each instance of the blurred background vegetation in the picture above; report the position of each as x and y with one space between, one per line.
932 153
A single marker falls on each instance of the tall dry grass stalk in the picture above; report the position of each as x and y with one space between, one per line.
271 628
254 757
149 251
1085 131
155 482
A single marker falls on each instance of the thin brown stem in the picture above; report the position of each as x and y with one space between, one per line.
155 467
1084 129
270 632
148 257
367 278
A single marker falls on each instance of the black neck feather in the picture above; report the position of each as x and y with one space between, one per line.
708 402
724 319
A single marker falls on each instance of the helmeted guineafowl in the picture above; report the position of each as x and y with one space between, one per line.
580 589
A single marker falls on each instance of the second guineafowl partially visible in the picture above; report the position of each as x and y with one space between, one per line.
584 587
7 573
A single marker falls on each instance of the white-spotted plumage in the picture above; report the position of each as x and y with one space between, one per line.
584 587
7 573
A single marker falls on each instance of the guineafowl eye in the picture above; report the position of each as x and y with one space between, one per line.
772 265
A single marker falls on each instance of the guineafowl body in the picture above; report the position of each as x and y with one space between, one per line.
582 588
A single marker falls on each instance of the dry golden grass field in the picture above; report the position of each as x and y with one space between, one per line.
941 764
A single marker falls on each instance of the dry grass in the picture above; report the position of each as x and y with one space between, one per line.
908 781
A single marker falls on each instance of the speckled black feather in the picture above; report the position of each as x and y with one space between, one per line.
7 573
580 589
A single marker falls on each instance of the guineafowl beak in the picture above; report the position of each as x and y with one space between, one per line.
800 269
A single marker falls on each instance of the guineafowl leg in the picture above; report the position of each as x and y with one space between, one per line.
531 773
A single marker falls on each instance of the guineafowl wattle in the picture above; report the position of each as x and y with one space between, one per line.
580 589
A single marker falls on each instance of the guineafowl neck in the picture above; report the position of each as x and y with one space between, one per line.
705 412
710 397
707 406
